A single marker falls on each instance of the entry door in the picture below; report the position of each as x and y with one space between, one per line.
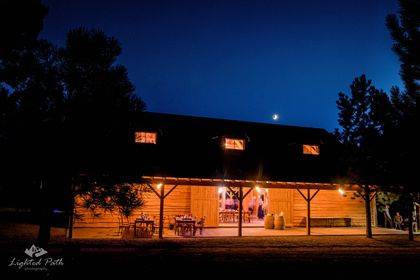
205 203
280 200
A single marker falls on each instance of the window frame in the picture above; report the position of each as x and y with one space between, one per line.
225 144
145 137
311 147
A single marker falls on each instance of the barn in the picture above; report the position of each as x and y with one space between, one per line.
232 173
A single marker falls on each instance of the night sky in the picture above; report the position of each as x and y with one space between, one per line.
242 60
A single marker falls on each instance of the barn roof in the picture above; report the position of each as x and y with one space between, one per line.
192 147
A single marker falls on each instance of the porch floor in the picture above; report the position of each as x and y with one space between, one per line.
99 233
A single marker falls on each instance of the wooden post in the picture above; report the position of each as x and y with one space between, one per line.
308 214
308 199
241 198
162 199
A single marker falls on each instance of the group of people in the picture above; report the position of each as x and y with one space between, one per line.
397 222
232 203
261 206
256 205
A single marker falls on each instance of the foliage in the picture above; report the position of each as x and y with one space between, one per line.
123 198
361 115
64 111
377 128
404 28
386 198
405 32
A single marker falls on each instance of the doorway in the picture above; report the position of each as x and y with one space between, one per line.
255 207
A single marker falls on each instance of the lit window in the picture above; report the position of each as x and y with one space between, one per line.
234 144
311 150
145 137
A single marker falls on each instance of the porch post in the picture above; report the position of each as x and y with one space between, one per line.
308 214
162 199
241 198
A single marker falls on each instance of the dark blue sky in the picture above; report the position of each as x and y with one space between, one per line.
242 59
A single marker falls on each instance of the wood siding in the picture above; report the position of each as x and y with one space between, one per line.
205 203
281 200
328 204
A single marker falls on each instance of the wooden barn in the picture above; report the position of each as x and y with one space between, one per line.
235 174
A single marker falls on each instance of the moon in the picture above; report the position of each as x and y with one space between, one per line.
275 117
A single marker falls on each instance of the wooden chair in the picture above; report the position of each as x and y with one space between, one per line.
156 223
145 229
123 226
199 225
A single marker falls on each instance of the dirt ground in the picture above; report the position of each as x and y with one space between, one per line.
339 256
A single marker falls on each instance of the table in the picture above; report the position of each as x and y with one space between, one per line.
227 216
184 226
145 228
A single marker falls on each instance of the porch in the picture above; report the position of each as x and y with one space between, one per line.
239 207
110 233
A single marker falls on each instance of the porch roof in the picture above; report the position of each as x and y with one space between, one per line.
247 183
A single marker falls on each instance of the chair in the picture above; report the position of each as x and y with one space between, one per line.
199 225
123 226
156 223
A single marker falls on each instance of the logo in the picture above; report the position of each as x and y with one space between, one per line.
35 251
35 261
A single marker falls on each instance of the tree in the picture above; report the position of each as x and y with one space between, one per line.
361 117
404 28
405 32
32 100
98 197
100 100
65 112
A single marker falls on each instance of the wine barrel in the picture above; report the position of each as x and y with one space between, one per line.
269 221
279 222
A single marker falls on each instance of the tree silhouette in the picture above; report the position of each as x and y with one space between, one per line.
100 100
362 116
404 28
65 112
405 32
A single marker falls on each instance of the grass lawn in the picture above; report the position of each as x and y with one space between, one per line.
335 255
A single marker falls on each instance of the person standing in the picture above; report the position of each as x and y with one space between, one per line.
251 205
398 220
387 217
260 209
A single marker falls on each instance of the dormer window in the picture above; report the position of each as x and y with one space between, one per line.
311 150
234 144
144 137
